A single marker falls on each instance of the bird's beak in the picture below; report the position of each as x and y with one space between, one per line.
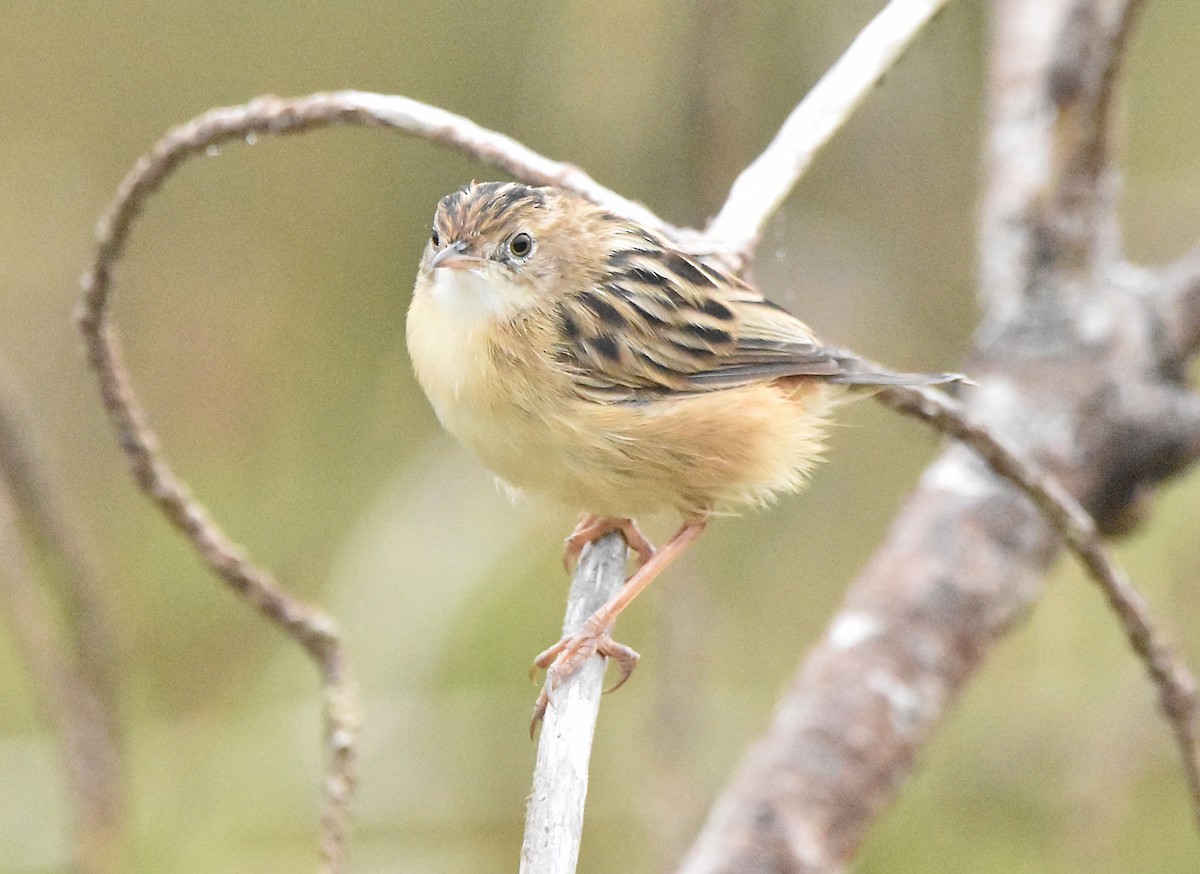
455 258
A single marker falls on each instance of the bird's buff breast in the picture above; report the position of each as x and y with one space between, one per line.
496 404
694 455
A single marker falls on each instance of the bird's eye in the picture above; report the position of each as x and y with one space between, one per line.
520 245
434 238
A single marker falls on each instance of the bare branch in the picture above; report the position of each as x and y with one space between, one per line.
1179 306
278 116
76 713
763 186
554 818
514 158
1053 71
1176 684
72 666
270 115
306 625
1081 78
51 525
959 566
1072 376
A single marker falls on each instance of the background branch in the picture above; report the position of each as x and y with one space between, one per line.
964 556
1179 306
61 630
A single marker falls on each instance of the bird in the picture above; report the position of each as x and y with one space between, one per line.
587 360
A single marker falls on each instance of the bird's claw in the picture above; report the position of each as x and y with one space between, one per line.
568 654
591 527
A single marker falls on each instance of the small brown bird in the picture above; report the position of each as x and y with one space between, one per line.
585 359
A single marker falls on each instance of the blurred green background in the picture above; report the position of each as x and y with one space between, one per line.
262 303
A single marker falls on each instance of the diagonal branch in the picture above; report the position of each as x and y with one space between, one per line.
54 530
762 187
1177 687
1069 366
70 665
958 568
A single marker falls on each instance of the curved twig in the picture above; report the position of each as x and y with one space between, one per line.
1177 687
311 628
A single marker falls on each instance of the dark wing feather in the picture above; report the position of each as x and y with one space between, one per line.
665 324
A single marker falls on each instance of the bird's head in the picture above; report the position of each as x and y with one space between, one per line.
499 248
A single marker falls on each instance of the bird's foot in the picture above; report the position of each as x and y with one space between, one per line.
592 527
566 656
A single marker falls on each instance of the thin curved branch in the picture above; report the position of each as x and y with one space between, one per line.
1177 687
305 624
279 116
762 187
308 626
490 147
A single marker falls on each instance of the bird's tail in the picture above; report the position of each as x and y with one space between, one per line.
857 371
888 377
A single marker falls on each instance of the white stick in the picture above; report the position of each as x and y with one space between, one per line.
554 818
760 189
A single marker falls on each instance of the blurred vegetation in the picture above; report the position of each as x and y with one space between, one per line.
262 306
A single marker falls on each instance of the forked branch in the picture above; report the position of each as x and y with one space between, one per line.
1103 413
1176 684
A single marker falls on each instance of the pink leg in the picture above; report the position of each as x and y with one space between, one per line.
561 660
